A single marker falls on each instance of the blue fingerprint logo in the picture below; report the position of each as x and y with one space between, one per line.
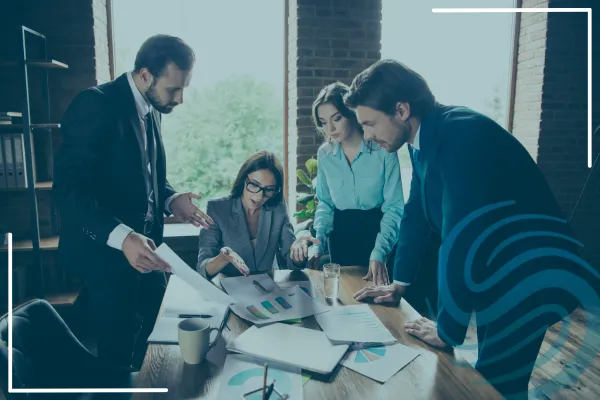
520 274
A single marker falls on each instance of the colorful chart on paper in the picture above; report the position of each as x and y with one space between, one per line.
269 307
253 378
369 354
283 303
256 313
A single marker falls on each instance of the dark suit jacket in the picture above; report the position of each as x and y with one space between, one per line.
467 163
275 235
99 175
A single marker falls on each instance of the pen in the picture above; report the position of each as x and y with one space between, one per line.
224 322
259 286
194 316
270 390
265 381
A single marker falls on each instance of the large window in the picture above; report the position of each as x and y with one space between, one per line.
234 105
465 58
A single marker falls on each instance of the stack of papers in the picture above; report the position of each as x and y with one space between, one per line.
375 352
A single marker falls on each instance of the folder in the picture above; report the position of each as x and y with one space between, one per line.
19 161
8 162
2 168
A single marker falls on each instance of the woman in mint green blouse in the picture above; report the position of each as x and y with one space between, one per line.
359 190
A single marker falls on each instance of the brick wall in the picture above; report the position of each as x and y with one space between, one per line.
550 116
328 40
530 76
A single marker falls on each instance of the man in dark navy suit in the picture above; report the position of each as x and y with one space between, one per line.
111 188
507 254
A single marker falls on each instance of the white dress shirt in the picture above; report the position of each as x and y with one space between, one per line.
415 146
118 235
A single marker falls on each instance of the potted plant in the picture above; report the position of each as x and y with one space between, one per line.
307 199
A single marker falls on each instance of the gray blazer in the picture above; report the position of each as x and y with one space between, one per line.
275 234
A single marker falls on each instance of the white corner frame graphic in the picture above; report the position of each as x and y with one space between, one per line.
10 351
545 10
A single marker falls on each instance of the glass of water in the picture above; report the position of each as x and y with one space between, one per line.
331 281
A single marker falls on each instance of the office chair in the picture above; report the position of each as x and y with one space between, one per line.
46 354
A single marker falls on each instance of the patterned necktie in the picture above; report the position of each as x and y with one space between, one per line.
151 160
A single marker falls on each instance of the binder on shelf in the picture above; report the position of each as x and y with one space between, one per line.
9 167
2 168
19 161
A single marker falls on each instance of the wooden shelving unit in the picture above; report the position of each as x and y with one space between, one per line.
33 128
46 244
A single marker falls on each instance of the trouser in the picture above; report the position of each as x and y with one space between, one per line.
353 237
116 301
508 366
510 343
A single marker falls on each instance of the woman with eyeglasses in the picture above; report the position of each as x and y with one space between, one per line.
359 190
251 224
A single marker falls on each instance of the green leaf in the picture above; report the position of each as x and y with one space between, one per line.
311 166
310 206
303 177
304 198
303 214
314 183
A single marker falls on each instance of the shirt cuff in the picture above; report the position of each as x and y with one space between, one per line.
401 283
118 235
320 248
377 255
168 202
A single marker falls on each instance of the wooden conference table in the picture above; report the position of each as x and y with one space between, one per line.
433 375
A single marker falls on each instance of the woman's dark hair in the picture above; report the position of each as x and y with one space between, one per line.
159 50
334 94
257 161
386 83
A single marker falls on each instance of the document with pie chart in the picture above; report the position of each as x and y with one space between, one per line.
379 362
245 374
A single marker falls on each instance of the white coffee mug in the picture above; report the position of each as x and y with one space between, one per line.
194 339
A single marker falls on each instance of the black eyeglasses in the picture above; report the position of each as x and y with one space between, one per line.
254 188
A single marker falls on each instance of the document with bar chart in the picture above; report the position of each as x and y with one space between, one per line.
280 305
380 362
354 324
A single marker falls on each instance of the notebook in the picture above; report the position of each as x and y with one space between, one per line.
293 345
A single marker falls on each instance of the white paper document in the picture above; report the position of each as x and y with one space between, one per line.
243 288
183 300
191 277
306 286
280 305
305 348
245 374
355 323
165 331
380 363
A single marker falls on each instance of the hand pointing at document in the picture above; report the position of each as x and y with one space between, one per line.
185 210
